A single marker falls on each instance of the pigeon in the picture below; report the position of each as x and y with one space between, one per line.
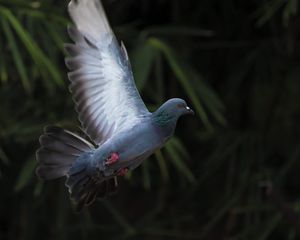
121 132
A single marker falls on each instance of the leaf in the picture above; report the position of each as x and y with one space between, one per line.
146 175
4 157
142 61
211 101
160 86
56 37
270 227
3 71
290 10
16 53
119 218
178 163
38 188
162 166
268 11
46 67
179 147
25 175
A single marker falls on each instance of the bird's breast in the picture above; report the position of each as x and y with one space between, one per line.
132 147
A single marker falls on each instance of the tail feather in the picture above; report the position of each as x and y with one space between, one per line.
69 138
59 149
85 190
91 197
63 153
49 157
76 180
95 190
81 186
48 172
50 142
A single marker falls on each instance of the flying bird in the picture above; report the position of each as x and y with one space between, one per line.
121 130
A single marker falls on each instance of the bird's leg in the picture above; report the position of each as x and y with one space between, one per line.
122 171
113 158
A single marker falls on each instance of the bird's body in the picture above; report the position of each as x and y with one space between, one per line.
132 146
110 109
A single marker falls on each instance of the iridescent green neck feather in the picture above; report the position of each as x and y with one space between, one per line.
165 122
162 117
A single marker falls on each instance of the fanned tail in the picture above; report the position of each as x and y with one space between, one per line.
59 149
63 153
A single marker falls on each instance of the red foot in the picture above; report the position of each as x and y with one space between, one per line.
113 158
123 171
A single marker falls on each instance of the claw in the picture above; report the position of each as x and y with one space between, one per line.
123 171
113 158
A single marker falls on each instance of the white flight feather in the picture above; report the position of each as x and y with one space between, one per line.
89 17
102 86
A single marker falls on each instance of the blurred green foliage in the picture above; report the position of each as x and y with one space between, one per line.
231 172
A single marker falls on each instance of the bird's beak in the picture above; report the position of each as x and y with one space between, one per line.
190 111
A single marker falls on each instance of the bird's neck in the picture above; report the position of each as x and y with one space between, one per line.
165 122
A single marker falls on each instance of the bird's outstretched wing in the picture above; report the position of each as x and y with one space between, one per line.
102 84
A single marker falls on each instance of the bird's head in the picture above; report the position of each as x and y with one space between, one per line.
171 110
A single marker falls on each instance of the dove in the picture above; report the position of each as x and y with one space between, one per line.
121 132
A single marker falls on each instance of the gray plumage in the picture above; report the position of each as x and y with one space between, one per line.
110 110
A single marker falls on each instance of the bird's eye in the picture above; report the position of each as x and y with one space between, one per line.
180 105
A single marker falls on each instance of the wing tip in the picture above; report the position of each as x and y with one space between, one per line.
72 4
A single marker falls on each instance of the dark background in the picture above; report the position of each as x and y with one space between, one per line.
231 172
